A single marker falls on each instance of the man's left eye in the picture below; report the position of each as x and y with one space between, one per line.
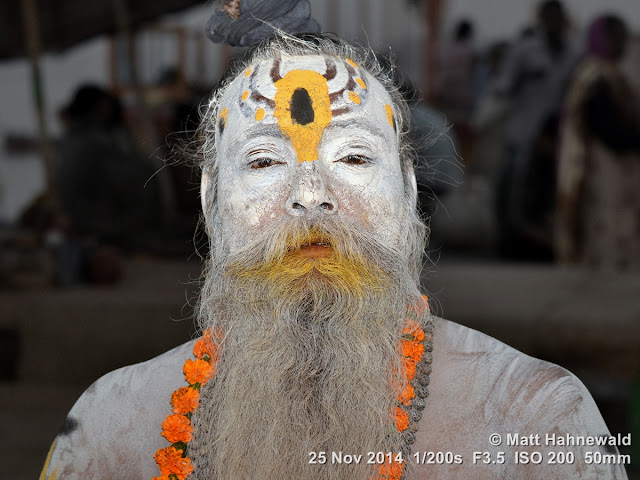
355 159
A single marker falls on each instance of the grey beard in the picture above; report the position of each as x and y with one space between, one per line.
307 373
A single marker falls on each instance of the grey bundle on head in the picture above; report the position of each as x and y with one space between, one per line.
241 23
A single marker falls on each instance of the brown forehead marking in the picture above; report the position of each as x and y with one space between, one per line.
351 84
275 71
255 94
261 98
331 71
340 111
352 74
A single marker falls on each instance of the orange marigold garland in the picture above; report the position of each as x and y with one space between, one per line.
391 470
410 402
197 371
185 400
205 347
172 464
177 429
401 418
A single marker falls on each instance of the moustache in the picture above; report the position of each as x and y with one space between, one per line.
324 236
307 254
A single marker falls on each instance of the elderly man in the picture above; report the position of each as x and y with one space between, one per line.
319 357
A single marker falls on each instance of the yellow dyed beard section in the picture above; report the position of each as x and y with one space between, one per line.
294 272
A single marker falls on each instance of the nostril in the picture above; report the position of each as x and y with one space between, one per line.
326 206
297 206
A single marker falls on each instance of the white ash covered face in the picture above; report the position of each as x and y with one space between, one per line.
307 136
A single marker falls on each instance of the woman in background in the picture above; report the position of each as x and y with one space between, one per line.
599 167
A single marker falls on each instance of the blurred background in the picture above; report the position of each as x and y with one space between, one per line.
526 124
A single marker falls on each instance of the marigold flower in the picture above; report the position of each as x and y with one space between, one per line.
391 470
407 394
412 350
171 462
185 400
177 428
401 418
413 328
197 371
409 367
425 305
205 346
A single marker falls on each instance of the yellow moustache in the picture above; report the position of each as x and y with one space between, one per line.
299 267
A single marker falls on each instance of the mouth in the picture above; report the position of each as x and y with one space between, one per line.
319 249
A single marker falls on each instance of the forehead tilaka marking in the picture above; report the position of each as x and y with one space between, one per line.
303 110
302 95
390 116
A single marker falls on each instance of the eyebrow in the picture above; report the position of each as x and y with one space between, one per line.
274 131
264 131
350 124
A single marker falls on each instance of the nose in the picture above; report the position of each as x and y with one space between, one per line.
309 192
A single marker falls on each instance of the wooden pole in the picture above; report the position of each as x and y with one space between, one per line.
123 21
32 37
433 12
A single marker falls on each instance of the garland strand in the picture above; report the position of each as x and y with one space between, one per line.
177 429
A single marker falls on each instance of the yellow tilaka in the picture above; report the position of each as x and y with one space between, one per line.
389 112
305 137
224 115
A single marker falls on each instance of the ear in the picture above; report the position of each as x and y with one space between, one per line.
205 193
411 184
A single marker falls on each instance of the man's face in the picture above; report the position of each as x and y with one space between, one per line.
307 136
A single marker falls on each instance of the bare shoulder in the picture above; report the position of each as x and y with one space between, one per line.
115 425
481 387
500 376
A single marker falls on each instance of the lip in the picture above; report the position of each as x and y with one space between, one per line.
316 249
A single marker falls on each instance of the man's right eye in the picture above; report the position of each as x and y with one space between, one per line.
264 162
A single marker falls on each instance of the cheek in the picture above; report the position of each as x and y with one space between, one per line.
379 206
249 203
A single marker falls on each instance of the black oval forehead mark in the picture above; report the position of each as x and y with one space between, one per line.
301 107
